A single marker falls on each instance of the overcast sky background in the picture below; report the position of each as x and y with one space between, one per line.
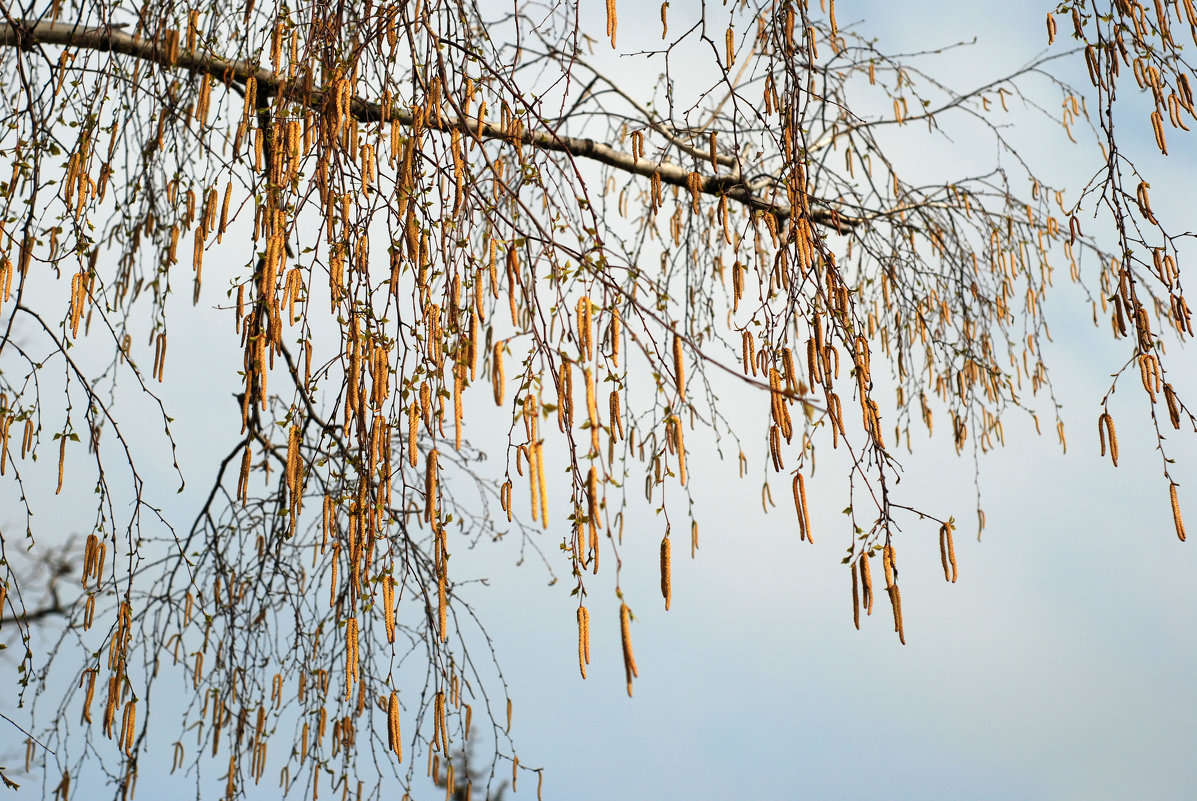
1059 667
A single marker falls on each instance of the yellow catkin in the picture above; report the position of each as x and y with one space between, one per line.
5 425
197 255
440 730
159 368
332 593
413 427
625 637
89 611
1157 125
679 366
617 432
475 321
394 738
388 601
592 409
1180 524
804 531
612 21
110 706
90 676
442 605
592 501
505 498
62 441
583 639
431 478
1105 424
565 396
615 336
542 484
583 315
855 598
775 447
679 442
666 582
1173 406
351 656
129 726
866 583
458 387
891 587
498 377
943 552
513 265
224 211
951 551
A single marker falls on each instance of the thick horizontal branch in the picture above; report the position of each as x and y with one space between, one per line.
164 51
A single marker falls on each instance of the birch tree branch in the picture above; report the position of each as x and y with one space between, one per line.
165 52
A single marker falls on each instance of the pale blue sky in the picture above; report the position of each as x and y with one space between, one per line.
1057 668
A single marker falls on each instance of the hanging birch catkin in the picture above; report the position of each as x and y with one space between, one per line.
583 639
666 578
1176 519
625 638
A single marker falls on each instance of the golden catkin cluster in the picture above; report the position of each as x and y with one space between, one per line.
393 225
